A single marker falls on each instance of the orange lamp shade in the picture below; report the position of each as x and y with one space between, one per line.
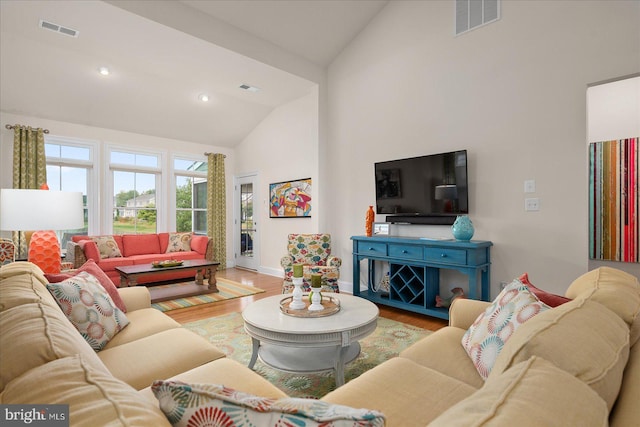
44 251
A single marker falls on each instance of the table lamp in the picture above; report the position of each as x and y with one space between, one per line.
43 211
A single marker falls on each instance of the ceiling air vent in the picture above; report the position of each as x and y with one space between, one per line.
249 88
472 14
58 28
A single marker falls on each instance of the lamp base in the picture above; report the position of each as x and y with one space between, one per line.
44 251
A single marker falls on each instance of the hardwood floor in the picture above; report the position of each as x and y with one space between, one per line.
272 286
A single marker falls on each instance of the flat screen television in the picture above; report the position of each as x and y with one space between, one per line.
430 189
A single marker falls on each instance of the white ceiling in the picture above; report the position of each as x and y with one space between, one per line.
157 71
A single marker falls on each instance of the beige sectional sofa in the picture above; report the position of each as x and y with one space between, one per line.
577 364
43 358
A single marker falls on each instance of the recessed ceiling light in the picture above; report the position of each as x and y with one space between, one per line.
249 88
204 97
104 71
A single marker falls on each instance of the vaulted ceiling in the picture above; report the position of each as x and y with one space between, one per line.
158 70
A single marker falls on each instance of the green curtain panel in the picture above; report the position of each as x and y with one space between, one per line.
217 207
29 169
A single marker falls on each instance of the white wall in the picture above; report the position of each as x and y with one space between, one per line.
512 93
613 112
283 147
109 136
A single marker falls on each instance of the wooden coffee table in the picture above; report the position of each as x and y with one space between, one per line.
309 344
130 273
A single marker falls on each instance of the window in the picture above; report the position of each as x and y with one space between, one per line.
191 195
70 168
135 179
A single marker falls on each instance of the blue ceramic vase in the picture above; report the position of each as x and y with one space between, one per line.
462 228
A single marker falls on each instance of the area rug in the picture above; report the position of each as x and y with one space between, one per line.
227 333
227 290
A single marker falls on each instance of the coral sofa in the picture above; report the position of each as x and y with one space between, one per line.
575 364
114 251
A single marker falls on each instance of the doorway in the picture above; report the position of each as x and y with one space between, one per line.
245 234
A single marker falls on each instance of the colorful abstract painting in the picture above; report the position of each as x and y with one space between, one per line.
614 200
290 199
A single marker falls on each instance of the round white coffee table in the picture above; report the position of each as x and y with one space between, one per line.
309 344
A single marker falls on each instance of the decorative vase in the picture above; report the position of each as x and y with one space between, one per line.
296 302
371 215
316 300
462 228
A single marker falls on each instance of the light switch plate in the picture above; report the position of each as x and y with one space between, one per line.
530 186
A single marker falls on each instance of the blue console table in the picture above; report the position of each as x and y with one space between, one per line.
414 270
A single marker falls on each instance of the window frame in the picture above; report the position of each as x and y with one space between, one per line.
175 173
92 167
160 178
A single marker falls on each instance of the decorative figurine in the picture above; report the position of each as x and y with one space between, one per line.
446 302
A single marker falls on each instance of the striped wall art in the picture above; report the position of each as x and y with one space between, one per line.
614 200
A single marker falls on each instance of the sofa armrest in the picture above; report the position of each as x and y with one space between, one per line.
75 254
135 297
463 312
209 252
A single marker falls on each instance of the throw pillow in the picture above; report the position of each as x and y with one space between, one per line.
107 247
552 300
179 242
92 268
486 337
213 404
89 308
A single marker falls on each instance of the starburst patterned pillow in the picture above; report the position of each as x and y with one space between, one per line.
484 340
89 308
216 405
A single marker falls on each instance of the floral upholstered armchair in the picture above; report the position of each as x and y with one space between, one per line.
313 251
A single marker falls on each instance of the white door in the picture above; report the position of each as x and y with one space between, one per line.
245 226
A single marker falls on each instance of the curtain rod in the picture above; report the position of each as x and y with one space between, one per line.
224 155
12 127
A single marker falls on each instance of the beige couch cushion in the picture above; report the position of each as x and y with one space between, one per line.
94 397
626 411
533 393
443 352
229 373
581 337
34 334
142 323
158 357
616 290
408 394
23 283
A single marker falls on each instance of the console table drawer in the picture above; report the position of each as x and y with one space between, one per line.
406 251
372 248
449 256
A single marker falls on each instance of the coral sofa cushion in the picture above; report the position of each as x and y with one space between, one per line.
199 244
615 289
107 246
485 339
140 244
582 337
531 394
94 396
213 404
89 308
179 242
552 300
92 268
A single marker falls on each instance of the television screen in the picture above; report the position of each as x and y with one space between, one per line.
433 185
